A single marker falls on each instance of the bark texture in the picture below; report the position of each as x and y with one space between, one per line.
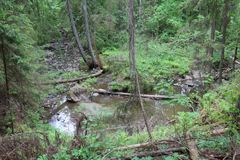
133 70
235 57
224 32
74 30
88 34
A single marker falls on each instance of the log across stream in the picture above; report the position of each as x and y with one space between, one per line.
112 112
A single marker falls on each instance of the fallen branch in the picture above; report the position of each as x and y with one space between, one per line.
156 97
237 62
145 145
211 155
157 153
191 144
192 147
218 132
73 80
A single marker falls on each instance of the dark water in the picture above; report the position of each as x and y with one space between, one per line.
113 112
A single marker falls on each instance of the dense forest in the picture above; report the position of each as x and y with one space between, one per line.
119 79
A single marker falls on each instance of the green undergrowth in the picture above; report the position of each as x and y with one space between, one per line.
217 106
54 89
220 104
57 75
156 63
97 146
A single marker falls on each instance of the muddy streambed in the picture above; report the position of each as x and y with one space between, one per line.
112 112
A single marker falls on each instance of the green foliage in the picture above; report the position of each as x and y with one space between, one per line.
18 41
169 34
62 155
175 156
43 157
163 19
162 62
45 17
185 101
187 121
88 83
221 102
219 144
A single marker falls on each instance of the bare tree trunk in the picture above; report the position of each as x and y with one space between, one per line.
88 35
224 32
140 8
132 56
7 84
235 58
211 49
213 30
75 33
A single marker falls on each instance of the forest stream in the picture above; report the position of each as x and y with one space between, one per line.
112 112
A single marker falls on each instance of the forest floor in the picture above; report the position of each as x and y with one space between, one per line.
62 62
68 61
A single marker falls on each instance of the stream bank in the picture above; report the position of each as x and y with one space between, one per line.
109 111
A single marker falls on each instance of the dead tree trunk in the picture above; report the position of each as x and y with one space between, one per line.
88 35
75 33
132 57
224 32
235 58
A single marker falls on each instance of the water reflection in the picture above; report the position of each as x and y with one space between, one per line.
121 112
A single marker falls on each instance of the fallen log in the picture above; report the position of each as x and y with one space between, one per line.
147 144
215 132
192 147
73 80
157 153
156 97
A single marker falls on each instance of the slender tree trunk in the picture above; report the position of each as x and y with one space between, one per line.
6 84
224 32
213 30
132 56
140 8
75 33
88 35
235 58
211 49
